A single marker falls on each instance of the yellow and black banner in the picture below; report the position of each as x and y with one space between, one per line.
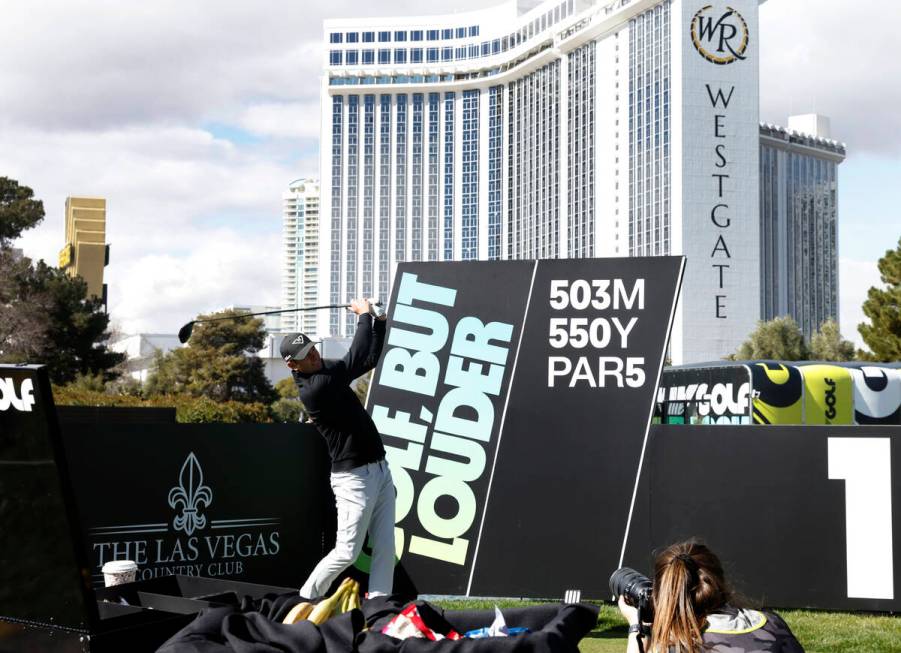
828 394
778 393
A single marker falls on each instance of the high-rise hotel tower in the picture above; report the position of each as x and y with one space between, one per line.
565 128
300 266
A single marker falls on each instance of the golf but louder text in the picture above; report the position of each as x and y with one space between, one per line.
450 445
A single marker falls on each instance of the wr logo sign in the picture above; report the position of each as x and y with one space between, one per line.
720 39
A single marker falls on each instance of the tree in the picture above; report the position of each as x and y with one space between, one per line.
47 317
289 408
217 363
777 339
77 328
22 324
19 210
827 344
361 387
883 307
287 389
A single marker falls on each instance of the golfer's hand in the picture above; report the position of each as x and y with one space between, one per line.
359 306
629 612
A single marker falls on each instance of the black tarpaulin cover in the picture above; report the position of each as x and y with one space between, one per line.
256 627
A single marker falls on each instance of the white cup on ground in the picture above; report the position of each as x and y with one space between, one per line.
119 572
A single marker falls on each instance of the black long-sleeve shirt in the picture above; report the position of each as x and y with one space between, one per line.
348 429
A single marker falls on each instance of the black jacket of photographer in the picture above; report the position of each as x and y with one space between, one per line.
349 431
739 630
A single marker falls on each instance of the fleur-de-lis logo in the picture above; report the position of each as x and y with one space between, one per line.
192 495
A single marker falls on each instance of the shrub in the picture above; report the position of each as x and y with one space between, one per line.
287 410
188 410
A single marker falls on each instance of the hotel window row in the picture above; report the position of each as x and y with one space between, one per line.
798 229
354 57
384 192
384 36
448 176
368 192
649 132
337 178
495 139
533 164
580 166
353 198
470 192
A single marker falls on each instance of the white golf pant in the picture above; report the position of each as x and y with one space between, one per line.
364 497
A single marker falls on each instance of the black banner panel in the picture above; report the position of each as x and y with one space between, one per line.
241 501
801 516
504 389
438 400
40 568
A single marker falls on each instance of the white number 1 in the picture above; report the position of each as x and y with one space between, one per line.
865 464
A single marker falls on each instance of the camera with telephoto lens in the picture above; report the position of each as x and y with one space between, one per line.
636 589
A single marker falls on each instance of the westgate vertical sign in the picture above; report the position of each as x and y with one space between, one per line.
501 387
720 196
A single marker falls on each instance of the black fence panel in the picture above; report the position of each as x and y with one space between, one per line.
801 516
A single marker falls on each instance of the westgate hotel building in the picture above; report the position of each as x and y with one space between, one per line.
574 128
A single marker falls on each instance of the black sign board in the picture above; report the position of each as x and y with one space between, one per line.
801 516
239 501
503 391
40 565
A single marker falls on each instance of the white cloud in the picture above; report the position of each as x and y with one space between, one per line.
193 221
287 120
94 64
855 280
830 57
160 292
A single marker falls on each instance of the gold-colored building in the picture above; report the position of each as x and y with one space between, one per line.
86 252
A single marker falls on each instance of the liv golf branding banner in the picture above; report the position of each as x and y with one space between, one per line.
238 501
503 388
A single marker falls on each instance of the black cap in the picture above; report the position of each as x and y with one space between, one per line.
295 347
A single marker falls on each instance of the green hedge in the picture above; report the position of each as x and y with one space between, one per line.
188 410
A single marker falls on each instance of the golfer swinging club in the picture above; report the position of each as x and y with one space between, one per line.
361 481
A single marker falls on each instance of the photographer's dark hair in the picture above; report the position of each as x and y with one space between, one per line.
688 585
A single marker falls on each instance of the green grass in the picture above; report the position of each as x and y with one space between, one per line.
818 632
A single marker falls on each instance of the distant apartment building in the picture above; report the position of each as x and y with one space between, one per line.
300 270
140 351
274 366
799 221
86 253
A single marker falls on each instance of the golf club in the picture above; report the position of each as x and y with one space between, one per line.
184 333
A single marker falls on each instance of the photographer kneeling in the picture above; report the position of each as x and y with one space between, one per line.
694 610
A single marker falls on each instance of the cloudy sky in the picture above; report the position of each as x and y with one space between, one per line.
192 117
